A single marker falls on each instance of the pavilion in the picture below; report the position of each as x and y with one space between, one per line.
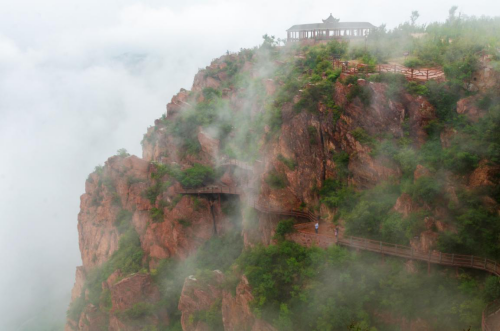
331 28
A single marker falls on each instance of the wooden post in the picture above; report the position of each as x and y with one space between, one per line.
472 261
411 73
427 77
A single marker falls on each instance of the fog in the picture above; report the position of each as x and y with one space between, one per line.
80 80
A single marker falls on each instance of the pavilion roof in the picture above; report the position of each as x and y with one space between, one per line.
331 26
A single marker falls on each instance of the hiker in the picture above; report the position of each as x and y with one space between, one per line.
337 233
316 226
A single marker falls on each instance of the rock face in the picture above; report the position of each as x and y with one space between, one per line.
199 295
467 106
143 193
236 312
135 290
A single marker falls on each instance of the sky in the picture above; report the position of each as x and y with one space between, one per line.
81 79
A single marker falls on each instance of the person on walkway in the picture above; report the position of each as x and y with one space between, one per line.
336 233
316 226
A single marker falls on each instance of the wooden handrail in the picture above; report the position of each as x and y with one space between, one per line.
412 74
434 257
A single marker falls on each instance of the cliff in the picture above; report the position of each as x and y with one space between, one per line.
293 143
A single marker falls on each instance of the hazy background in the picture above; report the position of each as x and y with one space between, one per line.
81 79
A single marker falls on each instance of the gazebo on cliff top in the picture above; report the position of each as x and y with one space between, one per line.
331 28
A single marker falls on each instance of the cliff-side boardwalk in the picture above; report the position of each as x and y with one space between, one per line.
331 28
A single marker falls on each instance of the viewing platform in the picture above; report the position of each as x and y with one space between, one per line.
331 28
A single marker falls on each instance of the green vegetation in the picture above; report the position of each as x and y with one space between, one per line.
335 289
122 153
217 253
285 227
184 222
127 259
362 137
123 221
276 180
289 162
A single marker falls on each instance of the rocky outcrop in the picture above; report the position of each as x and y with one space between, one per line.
133 291
116 186
467 106
92 319
484 175
237 314
405 205
79 281
197 296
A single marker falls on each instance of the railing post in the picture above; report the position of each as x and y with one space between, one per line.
472 261
412 73
427 77
429 259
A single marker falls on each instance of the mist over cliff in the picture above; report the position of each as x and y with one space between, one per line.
80 82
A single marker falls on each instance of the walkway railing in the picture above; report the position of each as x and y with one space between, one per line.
240 164
212 190
398 250
491 310
410 73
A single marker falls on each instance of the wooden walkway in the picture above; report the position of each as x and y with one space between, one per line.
398 250
411 74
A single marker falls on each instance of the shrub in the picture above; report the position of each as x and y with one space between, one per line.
276 180
289 162
184 222
364 93
341 161
75 309
426 189
138 311
212 317
285 227
123 221
156 214
122 153
197 176
413 63
313 134
362 137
